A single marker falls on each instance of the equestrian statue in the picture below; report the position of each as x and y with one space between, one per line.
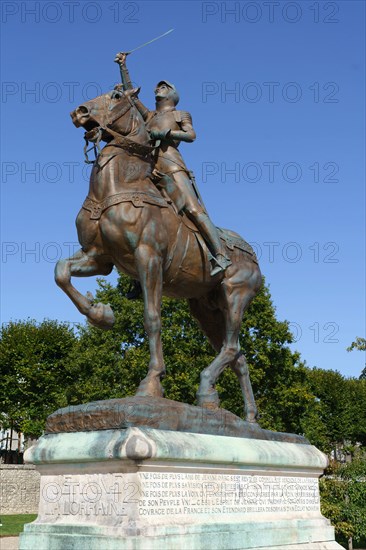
144 215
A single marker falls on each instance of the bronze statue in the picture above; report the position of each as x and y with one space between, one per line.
127 222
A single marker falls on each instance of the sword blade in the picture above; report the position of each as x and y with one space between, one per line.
150 41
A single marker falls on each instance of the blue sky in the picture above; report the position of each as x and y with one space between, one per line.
276 91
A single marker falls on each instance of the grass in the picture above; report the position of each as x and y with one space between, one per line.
12 525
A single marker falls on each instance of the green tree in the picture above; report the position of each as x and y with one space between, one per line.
340 411
32 360
111 364
343 499
359 344
278 375
322 405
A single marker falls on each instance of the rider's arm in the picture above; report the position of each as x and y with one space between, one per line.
186 132
144 111
125 75
127 84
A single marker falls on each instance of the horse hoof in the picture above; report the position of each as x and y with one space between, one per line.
150 387
251 415
101 316
208 400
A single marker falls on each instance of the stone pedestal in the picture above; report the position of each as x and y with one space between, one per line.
147 489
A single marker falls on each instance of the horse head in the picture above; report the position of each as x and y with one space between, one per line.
109 114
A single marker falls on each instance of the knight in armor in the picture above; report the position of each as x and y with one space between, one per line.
167 128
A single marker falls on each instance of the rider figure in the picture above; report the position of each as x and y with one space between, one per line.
167 128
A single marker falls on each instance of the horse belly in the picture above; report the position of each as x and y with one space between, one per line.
187 272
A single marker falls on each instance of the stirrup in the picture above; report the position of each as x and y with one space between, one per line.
222 264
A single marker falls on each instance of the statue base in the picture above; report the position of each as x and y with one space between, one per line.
150 489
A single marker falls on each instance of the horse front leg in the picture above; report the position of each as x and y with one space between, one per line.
85 264
149 266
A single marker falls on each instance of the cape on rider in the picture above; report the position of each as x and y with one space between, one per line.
167 128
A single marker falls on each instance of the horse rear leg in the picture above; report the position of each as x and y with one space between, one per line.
149 267
85 264
240 367
212 324
222 327
231 309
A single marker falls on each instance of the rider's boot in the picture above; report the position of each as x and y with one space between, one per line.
222 263
211 236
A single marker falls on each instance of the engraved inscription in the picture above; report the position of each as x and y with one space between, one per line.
166 494
161 494
84 496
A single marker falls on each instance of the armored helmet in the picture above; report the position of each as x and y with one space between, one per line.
174 92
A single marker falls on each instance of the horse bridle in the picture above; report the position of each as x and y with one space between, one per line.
95 135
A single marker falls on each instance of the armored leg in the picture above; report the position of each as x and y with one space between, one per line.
207 229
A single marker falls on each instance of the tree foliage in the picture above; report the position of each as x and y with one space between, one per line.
343 497
33 374
340 409
359 344
45 366
111 364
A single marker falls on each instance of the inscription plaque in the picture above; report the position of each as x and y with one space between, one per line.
195 494
160 494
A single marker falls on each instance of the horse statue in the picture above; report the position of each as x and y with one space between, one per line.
127 222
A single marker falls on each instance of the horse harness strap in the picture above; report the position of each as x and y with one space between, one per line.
138 199
128 145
